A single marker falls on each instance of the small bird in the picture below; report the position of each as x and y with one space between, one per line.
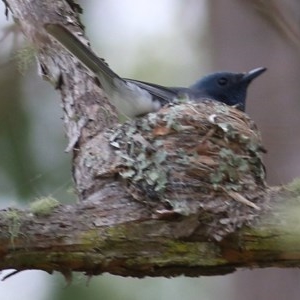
133 98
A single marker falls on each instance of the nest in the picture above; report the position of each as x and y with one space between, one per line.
200 159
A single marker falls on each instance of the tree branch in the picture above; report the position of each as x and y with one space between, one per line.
181 191
123 239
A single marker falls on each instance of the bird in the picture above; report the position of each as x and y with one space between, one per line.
133 98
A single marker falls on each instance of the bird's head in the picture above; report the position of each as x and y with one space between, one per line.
226 87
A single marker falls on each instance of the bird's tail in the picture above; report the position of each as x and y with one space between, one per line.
85 55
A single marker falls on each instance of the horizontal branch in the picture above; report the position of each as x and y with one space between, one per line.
88 237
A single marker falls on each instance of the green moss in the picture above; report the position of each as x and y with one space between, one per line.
13 216
179 247
231 167
118 232
25 58
144 160
182 253
294 186
44 206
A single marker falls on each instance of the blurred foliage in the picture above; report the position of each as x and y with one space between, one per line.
17 160
26 169
24 58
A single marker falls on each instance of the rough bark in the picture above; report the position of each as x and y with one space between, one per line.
178 192
122 238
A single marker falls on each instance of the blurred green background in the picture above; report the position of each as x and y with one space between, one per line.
170 42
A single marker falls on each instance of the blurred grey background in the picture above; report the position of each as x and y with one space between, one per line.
170 42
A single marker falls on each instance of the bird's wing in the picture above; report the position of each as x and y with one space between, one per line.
163 94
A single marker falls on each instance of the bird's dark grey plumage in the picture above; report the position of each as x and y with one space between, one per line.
133 98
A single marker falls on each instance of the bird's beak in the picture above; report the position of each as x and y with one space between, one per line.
248 77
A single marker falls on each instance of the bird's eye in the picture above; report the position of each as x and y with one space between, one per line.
222 81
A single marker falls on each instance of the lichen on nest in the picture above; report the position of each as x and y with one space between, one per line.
195 158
